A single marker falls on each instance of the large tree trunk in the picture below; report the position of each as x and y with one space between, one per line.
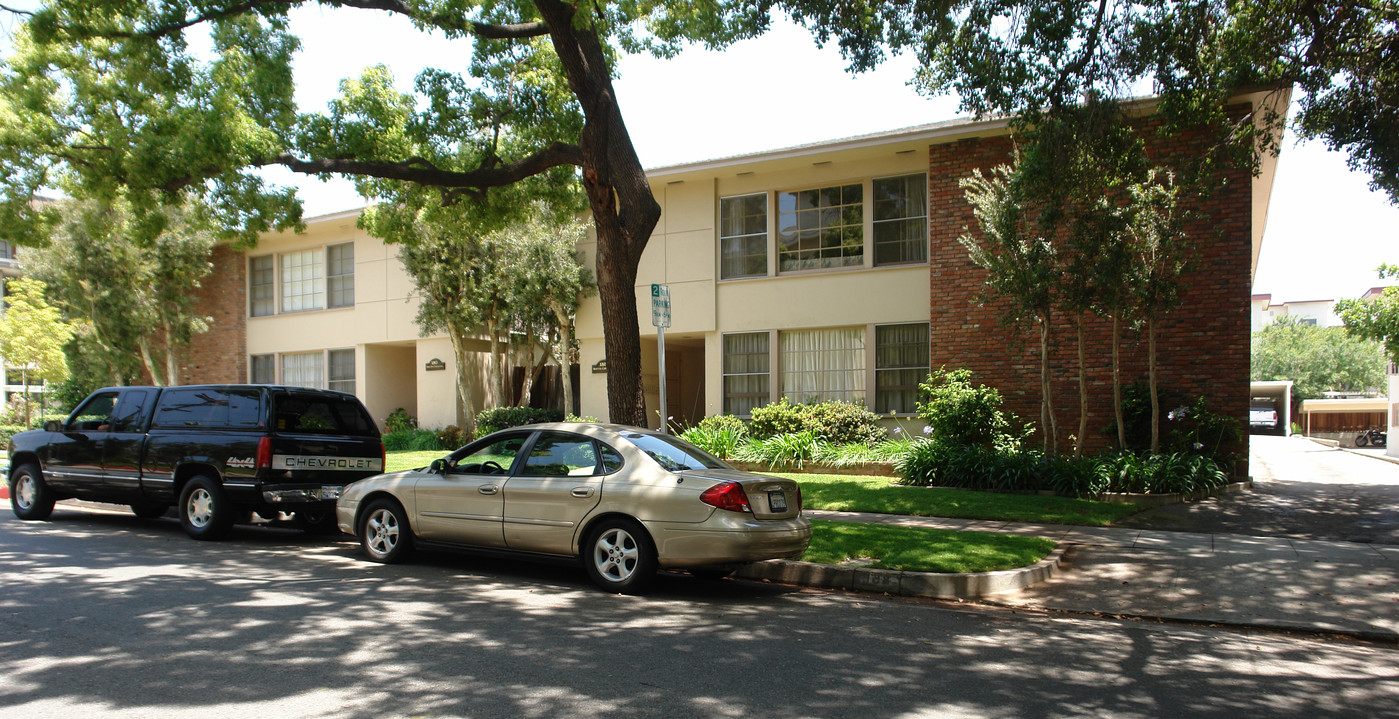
148 361
624 210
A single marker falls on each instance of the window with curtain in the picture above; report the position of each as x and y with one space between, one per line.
340 275
823 365
303 369
262 279
743 236
821 228
341 370
900 219
900 365
746 372
303 280
263 369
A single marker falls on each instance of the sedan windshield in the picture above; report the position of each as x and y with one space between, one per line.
673 454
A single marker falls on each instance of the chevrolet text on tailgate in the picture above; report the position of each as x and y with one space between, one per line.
215 452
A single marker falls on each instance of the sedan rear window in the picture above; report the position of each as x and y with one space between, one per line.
673 454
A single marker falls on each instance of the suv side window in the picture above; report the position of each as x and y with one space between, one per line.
208 407
95 415
130 410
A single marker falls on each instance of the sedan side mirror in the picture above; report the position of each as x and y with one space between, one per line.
53 425
438 466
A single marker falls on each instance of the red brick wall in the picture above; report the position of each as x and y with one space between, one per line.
1203 346
220 355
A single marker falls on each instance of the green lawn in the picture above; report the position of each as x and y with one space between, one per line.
399 461
921 549
877 494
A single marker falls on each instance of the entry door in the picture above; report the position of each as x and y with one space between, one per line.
75 455
465 504
553 489
121 453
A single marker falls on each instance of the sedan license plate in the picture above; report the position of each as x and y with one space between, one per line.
777 501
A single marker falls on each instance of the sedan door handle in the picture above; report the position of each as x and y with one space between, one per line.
582 492
488 489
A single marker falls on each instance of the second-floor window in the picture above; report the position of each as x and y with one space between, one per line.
877 222
314 279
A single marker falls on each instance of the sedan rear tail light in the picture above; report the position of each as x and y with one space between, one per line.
727 495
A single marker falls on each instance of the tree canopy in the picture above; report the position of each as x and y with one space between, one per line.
33 334
1316 359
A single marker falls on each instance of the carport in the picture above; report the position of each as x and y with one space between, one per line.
1275 395
1342 419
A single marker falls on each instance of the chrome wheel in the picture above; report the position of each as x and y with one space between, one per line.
25 492
200 508
616 554
381 532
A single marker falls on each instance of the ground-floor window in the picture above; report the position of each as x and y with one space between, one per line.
746 378
885 363
900 365
823 365
325 369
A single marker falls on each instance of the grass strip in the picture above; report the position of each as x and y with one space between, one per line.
399 461
877 494
921 549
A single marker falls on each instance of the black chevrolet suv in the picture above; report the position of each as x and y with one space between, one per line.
217 452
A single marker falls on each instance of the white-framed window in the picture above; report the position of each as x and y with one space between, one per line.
262 369
882 221
901 363
340 275
821 228
321 369
743 236
303 280
900 219
747 360
262 285
340 375
311 279
823 365
304 369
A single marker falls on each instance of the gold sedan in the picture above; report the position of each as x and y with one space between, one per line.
624 501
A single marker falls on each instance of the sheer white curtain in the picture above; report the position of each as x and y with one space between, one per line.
822 365
303 370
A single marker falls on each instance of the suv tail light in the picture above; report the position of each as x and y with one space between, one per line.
383 457
264 454
727 495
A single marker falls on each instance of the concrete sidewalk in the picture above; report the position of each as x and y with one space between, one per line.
1278 583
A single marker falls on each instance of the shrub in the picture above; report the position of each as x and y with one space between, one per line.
585 418
414 440
722 442
399 421
844 423
791 449
940 463
450 437
9 430
494 419
780 417
724 421
964 414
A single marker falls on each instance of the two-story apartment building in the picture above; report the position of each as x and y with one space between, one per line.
826 271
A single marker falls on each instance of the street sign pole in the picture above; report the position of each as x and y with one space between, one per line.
660 319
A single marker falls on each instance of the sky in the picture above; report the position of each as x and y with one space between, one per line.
1326 232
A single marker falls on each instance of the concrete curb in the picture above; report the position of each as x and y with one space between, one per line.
970 585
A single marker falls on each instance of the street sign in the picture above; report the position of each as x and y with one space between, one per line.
660 305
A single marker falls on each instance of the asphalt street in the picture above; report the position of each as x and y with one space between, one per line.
110 616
